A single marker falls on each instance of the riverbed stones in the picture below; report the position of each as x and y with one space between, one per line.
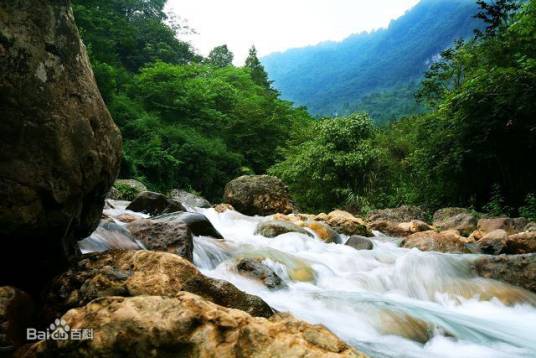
198 223
59 147
324 232
399 229
518 270
345 223
522 243
258 195
446 241
109 235
187 325
152 203
463 221
141 273
126 189
274 228
255 268
493 243
188 199
360 243
169 236
510 225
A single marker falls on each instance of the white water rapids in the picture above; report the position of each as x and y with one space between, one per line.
387 302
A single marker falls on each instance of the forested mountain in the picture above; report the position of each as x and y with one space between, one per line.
375 72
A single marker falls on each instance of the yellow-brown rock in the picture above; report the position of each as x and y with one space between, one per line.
446 241
188 326
345 223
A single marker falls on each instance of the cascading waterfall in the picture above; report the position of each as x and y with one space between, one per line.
388 302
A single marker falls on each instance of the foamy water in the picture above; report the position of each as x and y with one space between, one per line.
387 302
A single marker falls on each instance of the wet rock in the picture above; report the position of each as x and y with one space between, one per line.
188 199
493 243
345 223
127 218
360 243
59 147
399 229
170 236
446 241
522 243
464 222
273 228
139 273
324 232
126 189
16 314
399 215
152 203
109 236
256 269
258 195
518 270
187 325
511 226
221 208
530 227
198 223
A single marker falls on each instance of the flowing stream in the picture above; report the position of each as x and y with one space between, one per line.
387 302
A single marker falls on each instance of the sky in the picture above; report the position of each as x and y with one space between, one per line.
277 25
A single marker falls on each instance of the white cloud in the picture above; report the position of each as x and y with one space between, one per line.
276 25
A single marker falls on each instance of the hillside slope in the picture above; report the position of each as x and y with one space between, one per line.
371 70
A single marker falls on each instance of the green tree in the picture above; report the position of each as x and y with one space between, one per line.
258 73
220 56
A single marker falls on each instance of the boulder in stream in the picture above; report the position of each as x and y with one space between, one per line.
141 273
401 214
360 243
59 147
197 222
446 241
254 268
511 226
273 228
460 219
345 223
258 195
188 199
152 203
187 325
518 270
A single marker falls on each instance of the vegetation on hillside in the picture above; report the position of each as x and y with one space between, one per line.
187 122
195 123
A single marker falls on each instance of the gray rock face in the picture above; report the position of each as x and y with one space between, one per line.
197 223
398 215
446 213
360 243
518 270
189 199
273 228
256 269
169 236
258 195
152 203
59 148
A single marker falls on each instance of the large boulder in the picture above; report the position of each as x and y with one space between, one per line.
253 267
323 231
198 223
169 236
459 219
126 189
258 195
137 273
518 270
446 241
493 243
189 199
16 314
273 228
402 214
59 148
522 243
511 226
360 243
399 229
152 203
345 223
186 325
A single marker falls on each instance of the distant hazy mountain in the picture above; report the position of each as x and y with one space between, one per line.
376 71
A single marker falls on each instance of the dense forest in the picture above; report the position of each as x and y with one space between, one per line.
372 71
194 122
